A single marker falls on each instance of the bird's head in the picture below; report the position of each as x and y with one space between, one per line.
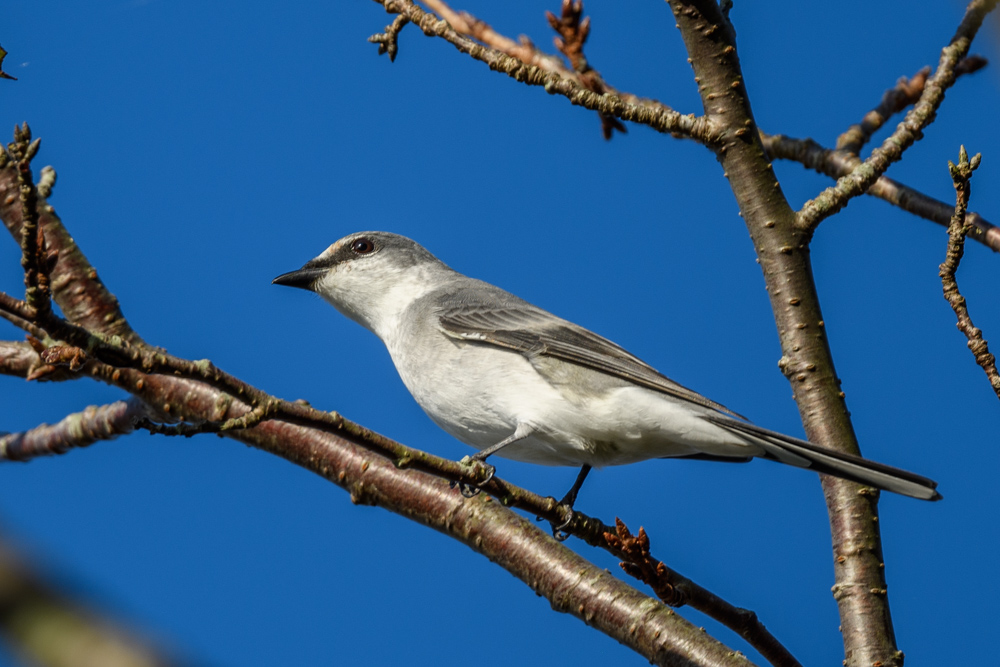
370 277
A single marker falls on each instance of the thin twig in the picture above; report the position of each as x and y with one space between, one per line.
907 133
960 176
903 94
77 430
573 31
534 69
34 258
388 39
838 163
75 286
638 562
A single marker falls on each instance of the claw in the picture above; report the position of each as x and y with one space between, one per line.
559 532
473 490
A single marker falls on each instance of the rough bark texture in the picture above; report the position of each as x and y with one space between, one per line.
783 250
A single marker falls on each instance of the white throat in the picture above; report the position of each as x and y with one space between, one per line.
377 303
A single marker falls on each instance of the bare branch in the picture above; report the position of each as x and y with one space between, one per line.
226 403
571 583
782 248
77 430
961 174
34 258
573 31
909 131
838 163
903 94
639 563
75 286
388 40
534 70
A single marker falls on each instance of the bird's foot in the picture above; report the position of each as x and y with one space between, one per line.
472 490
559 532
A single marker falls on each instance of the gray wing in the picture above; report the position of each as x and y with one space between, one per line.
495 317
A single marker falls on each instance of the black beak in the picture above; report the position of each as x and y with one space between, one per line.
303 278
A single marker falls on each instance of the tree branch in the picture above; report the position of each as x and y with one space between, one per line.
903 94
572 584
80 429
75 286
117 419
536 70
839 163
961 174
199 393
783 252
907 133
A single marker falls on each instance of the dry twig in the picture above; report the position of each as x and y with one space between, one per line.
909 131
961 175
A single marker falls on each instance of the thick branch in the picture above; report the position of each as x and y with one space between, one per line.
177 397
783 252
20 359
908 132
572 584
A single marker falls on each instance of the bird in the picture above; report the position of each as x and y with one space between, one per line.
512 379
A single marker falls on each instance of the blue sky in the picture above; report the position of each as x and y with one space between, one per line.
203 150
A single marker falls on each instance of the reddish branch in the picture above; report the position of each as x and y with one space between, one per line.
523 62
487 526
961 174
76 430
640 563
573 31
199 394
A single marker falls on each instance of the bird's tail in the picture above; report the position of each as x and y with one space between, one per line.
803 454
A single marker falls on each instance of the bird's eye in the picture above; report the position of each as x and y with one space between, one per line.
362 246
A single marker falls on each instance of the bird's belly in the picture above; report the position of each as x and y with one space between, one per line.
481 399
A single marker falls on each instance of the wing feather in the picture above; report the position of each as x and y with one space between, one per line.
532 331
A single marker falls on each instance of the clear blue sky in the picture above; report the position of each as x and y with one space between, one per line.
204 149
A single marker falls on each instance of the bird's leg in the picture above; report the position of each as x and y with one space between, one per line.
520 433
569 500
570 497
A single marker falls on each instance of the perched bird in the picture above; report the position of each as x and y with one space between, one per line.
512 379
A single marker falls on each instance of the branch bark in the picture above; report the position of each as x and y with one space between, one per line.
961 175
838 164
390 477
908 132
783 251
